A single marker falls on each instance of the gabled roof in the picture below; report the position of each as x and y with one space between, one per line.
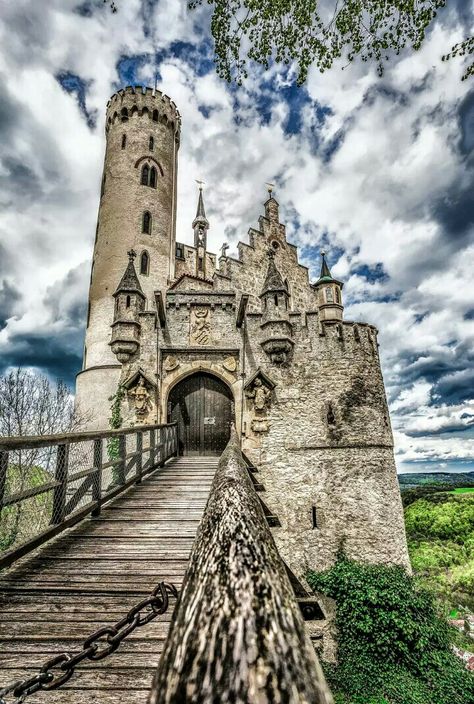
259 374
208 283
128 383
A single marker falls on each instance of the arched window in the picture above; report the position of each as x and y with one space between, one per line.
124 114
153 177
146 223
145 175
144 263
151 144
127 302
155 115
124 141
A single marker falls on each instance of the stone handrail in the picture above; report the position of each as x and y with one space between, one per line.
237 634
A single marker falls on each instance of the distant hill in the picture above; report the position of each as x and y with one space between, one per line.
415 479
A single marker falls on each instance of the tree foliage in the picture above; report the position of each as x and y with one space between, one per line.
30 404
393 648
307 32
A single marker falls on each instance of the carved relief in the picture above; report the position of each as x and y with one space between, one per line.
170 363
200 327
230 363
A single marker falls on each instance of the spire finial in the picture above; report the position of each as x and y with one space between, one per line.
325 271
200 213
131 255
270 187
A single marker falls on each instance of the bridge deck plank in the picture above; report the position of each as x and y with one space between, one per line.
92 574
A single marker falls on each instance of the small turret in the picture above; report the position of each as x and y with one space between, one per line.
329 293
200 227
129 302
276 326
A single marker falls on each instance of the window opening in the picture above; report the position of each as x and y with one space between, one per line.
151 144
144 263
146 224
145 175
153 177
124 141
127 303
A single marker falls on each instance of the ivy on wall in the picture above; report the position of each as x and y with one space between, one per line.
393 647
115 422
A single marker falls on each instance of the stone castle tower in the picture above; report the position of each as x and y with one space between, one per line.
208 341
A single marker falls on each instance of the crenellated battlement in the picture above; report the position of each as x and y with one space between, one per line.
136 101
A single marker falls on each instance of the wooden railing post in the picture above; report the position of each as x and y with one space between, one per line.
152 448
122 459
139 450
97 480
59 495
3 474
163 447
255 649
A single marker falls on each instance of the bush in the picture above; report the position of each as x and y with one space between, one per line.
393 648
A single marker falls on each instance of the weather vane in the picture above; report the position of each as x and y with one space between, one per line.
200 183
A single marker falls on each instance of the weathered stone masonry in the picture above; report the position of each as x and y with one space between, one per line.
309 398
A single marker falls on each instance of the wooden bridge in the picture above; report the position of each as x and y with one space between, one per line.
93 542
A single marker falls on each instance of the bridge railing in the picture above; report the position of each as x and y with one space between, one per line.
237 634
49 483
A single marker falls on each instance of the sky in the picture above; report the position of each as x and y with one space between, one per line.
377 170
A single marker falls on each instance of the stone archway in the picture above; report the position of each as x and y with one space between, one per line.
203 407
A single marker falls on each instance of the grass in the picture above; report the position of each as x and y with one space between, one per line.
461 490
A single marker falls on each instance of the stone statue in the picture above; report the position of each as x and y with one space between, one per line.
141 397
260 394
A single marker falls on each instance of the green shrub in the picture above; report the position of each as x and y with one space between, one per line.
450 517
393 648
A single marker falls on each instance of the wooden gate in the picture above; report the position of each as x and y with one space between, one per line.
203 407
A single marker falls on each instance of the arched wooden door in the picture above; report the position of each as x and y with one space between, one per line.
203 407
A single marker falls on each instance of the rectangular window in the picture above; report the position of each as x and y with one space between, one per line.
315 518
179 251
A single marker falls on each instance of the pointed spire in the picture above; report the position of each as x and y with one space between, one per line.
325 274
129 280
273 280
200 212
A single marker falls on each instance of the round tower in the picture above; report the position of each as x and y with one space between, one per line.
137 211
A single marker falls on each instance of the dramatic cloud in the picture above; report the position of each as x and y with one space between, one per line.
378 171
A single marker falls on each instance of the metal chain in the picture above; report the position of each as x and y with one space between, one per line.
57 671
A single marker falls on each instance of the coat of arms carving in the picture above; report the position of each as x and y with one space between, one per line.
200 327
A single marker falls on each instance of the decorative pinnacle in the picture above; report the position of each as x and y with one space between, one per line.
270 187
131 255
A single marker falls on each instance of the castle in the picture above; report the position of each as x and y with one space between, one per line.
208 341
